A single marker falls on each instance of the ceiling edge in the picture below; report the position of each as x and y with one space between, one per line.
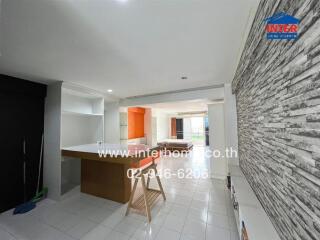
178 91
250 19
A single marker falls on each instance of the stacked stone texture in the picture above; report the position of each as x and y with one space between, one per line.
277 87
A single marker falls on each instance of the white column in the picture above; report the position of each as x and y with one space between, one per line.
148 126
187 129
218 165
52 152
112 123
231 129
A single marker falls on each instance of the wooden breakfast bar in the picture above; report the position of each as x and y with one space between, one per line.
104 175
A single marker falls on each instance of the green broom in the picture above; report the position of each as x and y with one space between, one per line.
44 191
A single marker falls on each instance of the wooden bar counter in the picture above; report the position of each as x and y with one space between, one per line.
106 176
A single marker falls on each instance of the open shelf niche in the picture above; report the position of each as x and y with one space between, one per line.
248 211
124 129
74 116
123 126
82 122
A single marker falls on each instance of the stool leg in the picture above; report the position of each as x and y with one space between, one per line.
131 196
145 192
159 183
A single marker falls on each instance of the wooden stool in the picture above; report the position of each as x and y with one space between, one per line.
149 196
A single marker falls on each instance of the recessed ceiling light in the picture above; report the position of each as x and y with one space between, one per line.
184 77
109 90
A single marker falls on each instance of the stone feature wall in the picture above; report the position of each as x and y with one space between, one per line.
277 87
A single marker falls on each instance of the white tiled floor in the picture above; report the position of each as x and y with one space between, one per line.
195 209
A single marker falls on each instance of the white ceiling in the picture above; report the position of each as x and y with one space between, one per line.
134 47
199 105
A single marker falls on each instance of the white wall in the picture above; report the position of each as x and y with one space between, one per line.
112 123
76 104
218 168
231 129
80 129
52 154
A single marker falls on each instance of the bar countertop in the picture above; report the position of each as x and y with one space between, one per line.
117 153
